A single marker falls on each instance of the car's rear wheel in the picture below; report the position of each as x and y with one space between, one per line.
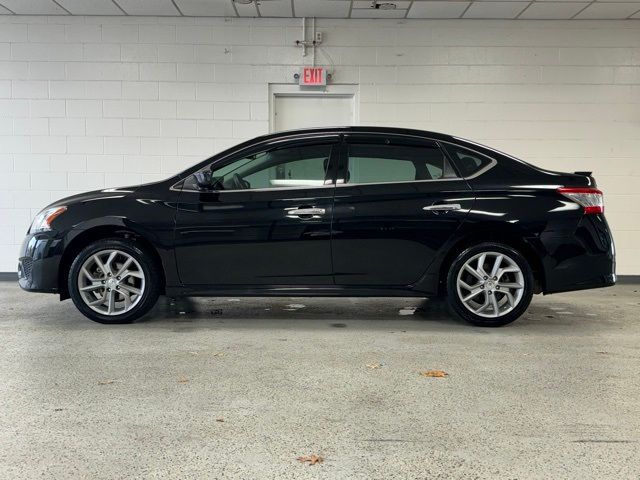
114 281
489 285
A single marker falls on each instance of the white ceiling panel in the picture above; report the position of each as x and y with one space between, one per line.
608 10
33 7
437 9
206 8
90 7
322 8
148 7
471 9
495 9
552 11
275 8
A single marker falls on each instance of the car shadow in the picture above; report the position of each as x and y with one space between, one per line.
392 314
559 314
308 312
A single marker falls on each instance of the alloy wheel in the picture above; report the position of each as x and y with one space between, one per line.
490 284
111 282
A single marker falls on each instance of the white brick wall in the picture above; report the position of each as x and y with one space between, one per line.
93 102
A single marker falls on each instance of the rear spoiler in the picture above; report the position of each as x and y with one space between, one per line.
592 181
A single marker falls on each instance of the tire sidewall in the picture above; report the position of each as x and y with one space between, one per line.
461 310
149 296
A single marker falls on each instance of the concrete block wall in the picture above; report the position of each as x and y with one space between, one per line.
95 102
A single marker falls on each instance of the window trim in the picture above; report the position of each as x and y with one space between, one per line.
338 139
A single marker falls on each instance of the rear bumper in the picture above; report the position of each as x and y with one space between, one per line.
39 262
585 259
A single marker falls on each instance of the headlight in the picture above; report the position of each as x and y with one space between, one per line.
43 220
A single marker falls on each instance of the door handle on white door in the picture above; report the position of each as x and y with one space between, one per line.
306 211
442 207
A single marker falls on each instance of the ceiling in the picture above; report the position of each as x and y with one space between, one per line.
430 9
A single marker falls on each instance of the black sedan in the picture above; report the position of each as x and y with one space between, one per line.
357 211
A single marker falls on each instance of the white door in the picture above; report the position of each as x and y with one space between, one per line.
305 111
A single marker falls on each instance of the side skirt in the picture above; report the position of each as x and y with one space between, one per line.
291 291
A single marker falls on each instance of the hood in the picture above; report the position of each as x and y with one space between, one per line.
96 195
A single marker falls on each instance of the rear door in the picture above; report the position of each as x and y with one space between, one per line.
397 202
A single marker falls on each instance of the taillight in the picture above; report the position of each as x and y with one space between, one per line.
591 199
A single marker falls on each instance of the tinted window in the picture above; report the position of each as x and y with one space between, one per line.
375 163
467 161
287 167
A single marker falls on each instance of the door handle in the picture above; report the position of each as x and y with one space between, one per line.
442 207
297 212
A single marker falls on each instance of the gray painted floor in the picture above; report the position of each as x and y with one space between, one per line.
555 395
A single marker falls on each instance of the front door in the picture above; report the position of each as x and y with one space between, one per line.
267 221
397 202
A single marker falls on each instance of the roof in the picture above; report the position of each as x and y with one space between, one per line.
357 129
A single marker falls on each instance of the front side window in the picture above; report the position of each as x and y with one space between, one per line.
375 163
286 167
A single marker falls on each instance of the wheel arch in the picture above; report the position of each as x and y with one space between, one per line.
100 232
506 236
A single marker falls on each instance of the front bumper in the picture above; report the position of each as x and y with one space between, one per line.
39 262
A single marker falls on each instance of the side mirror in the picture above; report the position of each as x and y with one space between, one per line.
204 180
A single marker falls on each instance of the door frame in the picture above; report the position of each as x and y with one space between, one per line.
292 90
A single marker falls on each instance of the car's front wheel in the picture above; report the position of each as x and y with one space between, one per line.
114 281
489 285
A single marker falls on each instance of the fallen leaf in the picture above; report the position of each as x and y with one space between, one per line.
373 365
218 354
434 373
219 419
311 459
602 353
106 382
183 380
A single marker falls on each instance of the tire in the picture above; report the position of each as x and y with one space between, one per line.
141 274
476 305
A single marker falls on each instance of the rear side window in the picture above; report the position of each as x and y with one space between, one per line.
375 163
468 162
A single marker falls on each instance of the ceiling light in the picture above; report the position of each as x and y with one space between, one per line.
383 6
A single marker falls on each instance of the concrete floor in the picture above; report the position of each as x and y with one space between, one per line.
554 395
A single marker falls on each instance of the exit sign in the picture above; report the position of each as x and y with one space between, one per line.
313 77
